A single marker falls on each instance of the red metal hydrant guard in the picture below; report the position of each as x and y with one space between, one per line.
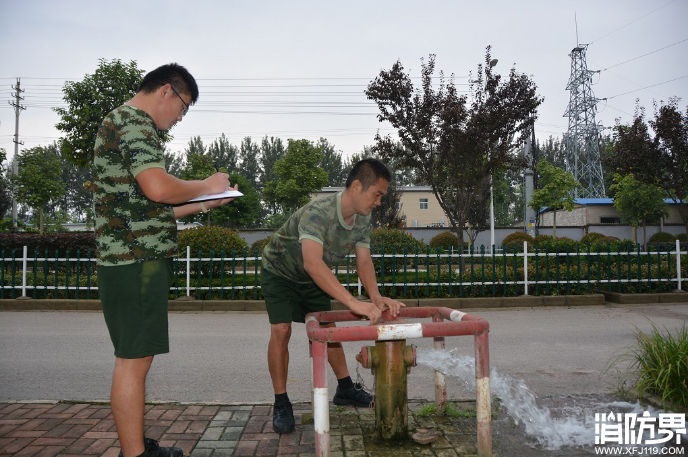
459 323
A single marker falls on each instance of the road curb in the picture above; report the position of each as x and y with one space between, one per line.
185 304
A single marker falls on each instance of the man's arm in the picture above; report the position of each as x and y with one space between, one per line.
366 273
162 187
320 273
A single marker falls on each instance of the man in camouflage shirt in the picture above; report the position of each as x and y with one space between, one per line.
137 204
297 279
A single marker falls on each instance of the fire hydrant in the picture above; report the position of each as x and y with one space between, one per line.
390 362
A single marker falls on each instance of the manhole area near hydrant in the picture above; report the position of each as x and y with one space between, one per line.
353 430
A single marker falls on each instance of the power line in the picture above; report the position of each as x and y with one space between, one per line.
636 58
632 22
647 87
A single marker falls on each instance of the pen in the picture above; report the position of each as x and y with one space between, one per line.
217 169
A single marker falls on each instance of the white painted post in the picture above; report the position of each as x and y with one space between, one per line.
24 271
188 271
525 267
678 265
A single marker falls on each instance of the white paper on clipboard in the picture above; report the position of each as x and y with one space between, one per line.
226 194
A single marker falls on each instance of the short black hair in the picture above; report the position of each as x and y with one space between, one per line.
174 74
368 171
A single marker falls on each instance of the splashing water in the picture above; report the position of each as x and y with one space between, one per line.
519 400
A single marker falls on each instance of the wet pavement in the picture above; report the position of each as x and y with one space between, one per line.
219 430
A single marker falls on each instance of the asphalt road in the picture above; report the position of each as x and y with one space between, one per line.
221 357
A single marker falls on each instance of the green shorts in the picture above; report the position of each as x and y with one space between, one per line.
289 301
134 298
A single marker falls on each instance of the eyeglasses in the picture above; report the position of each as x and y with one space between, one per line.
186 107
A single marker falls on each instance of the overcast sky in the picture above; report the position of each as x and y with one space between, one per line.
297 69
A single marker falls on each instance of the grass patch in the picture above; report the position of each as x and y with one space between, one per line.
450 411
659 361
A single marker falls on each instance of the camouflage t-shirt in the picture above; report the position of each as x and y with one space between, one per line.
319 220
129 227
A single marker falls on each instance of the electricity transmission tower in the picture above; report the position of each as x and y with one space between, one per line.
582 141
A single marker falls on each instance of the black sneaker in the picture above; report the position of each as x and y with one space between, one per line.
354 395
283 418
153 449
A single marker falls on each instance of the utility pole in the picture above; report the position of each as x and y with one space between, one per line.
15 163
530 214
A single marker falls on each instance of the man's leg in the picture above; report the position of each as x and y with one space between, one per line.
347 393
278 356
278 364
127 400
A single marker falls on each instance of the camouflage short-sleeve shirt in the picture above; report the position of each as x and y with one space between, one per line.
319 220
129 227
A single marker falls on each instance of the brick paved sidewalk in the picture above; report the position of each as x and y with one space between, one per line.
83 429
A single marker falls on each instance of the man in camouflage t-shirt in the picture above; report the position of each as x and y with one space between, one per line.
297 279
136 234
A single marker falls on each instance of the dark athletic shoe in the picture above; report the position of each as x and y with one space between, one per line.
153 449
352 396
283 418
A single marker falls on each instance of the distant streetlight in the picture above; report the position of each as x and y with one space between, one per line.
493 62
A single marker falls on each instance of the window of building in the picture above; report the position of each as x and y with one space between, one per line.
610 220
423 203
415 222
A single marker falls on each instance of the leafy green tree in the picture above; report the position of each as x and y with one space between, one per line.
661 160
195 147
509 199
551 150
38 182
555 192
455 145
389 214
224 154
198 166
243 212
174 163
250 167
332 163
638 203
271 150
296 176
89 101
76 204
5 197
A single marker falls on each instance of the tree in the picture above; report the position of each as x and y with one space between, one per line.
77 201
38 182
455 146
479 215
250 167
638 203
243 212
271 150
89 101
555 192
661 160
174 163
198 167
296 176
224 154
389 214
195 147
332 163
5 197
